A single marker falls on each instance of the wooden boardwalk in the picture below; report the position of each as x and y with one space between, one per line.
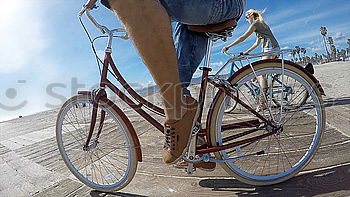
31 162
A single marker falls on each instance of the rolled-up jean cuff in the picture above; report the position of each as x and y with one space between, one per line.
106 4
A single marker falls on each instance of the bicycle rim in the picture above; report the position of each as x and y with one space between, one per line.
110 162
286 152
230 104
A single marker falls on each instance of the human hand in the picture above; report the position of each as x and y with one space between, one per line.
225 49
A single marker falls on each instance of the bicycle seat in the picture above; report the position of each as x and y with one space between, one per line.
214 28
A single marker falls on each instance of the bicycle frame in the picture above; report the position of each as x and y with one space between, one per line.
101 93
104 82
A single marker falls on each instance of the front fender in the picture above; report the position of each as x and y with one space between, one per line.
129 125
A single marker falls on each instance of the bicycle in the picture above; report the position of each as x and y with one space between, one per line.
254 89
101 148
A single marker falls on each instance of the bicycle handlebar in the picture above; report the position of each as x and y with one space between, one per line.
233 54
85 9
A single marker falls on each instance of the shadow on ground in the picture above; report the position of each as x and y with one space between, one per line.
315 183
329 102
323 182
96 193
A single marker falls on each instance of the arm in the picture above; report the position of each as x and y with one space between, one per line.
241 39
256 44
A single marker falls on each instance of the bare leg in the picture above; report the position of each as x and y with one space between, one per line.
148 24
262 78
263 86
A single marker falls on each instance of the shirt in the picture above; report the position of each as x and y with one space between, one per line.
264 32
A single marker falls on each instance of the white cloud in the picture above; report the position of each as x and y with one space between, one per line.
339 35
317 49
216 64
22 31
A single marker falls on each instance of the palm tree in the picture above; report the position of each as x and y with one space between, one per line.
331 44
342 54
293 54
324 33
334 52
313 60
316 58
325 57
330 40
297 50
303 51
338 54
348 49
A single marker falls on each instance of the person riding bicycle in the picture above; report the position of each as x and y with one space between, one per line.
264 36
148 23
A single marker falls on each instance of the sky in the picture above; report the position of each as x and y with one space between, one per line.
45 56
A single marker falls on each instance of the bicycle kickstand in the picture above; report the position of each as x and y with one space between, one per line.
191 152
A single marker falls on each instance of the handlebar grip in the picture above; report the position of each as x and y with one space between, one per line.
83 9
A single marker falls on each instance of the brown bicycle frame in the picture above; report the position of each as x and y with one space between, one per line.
101 94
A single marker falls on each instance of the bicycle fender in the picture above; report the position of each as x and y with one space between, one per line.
129 125
312 77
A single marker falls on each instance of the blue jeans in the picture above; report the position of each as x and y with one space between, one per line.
191 47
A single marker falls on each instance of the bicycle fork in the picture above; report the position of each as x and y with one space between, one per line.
96 95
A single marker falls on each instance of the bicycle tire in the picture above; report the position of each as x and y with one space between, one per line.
286 152
230 103
111 161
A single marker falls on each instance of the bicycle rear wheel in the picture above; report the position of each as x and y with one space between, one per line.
286 152
229 102
109 163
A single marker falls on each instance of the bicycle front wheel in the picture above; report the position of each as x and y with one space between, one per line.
109 162
285 152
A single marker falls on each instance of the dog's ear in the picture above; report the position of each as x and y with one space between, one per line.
310 68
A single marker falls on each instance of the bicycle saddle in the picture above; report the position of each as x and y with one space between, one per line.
214 28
